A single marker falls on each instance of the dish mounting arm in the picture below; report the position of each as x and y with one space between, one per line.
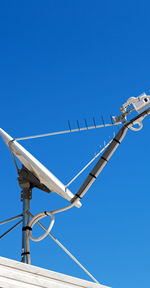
107 155
91 177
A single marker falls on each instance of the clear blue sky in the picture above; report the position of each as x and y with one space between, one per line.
63 60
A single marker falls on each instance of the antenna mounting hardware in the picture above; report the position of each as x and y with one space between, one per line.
34 174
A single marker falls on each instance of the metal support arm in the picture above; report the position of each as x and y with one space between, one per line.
107 155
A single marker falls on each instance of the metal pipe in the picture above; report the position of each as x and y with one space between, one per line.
107 155
92 175
67 252
25 239
10 219
68 131
14 226
101 163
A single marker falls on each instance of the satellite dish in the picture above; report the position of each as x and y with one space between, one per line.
37 169
34 174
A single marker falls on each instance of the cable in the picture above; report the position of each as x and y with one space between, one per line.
88 181
88 164
14 226
36 219
67 251
42 215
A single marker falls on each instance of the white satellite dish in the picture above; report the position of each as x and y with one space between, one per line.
34 174
37 169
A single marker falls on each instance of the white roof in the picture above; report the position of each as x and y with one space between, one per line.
15 274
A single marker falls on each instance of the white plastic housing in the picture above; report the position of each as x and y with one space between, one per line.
40 171
141 105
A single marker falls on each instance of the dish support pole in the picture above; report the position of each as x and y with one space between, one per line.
26 196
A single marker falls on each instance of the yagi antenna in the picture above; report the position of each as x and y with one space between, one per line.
78 129
34 174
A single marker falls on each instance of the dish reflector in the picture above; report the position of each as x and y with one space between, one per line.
37 169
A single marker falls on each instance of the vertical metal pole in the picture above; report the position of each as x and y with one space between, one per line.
26 196
23 232
24 224
28 260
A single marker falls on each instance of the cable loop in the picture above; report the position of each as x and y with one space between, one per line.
36 219
140 126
